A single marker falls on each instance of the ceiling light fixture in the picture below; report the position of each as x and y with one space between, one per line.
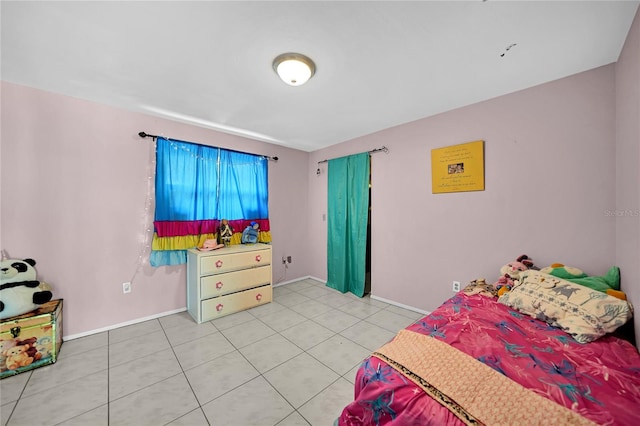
294 69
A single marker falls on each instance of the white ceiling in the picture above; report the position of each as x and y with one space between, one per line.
379 63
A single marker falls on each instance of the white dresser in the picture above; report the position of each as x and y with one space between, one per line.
227 280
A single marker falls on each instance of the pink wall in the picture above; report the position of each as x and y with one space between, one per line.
74 188
549 175
561 160
558 158
627 164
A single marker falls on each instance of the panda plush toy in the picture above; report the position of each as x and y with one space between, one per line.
20 292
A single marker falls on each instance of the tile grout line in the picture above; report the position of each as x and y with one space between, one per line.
335 302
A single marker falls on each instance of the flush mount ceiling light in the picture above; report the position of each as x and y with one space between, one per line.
294 69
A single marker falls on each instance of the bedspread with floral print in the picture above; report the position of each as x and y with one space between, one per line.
599 380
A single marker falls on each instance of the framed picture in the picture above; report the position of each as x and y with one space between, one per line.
458 168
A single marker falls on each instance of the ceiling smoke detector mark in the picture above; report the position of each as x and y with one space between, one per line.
511 46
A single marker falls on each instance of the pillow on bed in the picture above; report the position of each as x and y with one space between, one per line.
584 313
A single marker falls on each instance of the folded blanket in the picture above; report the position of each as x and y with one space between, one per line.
469 388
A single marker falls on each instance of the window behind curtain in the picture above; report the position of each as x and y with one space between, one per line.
196 187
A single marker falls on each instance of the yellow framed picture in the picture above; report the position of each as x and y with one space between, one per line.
458 168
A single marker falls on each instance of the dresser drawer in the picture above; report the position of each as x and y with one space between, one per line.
231 303
230 262
230 282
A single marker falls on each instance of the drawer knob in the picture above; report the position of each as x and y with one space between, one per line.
258 297
219 307
219 264
219 285
258 258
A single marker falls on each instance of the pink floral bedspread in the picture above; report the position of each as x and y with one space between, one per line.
599 380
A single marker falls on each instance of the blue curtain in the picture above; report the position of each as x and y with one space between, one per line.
197 185
347 216
186 181
242 174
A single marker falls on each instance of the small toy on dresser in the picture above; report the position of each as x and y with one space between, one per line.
210 244
20 291
251 233
225 231
510 273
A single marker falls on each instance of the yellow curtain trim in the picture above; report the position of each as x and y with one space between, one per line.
191 241
264 237
179 243
236 238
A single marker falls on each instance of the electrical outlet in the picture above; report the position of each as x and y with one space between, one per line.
288 259
126 288
456 286
284 260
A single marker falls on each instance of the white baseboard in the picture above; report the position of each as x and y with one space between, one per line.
400 305
381 299
160 315
164 314
298 279
122 324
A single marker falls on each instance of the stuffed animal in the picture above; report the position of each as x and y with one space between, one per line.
609 283
20 292
510 273
565 272
251 233
480 286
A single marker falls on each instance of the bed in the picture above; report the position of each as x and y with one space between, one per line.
544 353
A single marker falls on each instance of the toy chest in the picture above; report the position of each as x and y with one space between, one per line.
31 340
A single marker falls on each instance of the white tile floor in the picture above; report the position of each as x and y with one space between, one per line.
290 362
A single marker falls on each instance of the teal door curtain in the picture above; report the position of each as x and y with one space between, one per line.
347 210
196 186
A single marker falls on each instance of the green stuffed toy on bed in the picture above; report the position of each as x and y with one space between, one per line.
605 283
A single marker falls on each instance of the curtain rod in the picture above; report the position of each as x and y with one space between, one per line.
147 135
373 151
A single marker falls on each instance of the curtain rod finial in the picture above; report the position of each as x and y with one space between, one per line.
142 134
